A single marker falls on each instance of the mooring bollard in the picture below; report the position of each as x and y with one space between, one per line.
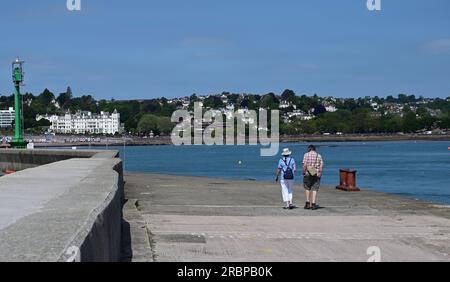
347 180
342 178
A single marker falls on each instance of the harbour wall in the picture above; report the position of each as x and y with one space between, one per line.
61 205
15 159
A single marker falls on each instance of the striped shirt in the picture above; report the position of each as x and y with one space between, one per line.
313 159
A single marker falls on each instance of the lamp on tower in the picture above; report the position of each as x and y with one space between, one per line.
17 76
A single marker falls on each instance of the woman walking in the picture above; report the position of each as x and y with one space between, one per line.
286 174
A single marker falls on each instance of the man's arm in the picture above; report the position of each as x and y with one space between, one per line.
304 165
320 166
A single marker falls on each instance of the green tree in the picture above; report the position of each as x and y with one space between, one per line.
148 123
390 99
152 106
46 97
213 102
410 123
64 98
42 104
233 98
305 103
158 125
165 126
444 123
288 95
319 109
269 101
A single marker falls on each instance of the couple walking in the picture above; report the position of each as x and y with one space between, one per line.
312 172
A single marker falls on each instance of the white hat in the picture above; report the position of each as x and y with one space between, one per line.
286 152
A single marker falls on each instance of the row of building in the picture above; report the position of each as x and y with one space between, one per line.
79 123
6 118
84 122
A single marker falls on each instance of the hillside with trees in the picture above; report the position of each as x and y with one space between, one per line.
301 114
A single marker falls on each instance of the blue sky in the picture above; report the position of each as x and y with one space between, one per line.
147 48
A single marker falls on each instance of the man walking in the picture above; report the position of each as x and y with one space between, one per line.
312 173
286 173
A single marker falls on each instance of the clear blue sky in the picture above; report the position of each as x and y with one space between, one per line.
149 48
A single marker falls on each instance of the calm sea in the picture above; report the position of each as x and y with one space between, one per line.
419 170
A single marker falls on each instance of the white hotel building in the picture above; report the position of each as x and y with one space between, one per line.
85 123
6 118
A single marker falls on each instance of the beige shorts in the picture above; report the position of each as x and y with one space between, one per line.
311 183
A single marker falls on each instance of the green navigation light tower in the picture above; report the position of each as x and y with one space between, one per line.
17 75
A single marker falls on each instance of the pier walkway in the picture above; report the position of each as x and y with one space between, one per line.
174 218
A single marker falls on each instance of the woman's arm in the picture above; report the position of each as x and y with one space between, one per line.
277 174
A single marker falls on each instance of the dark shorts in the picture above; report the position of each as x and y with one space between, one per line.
311 183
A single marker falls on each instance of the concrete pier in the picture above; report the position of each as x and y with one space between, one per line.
24 159
66 206
174 218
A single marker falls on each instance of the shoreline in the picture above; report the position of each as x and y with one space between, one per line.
298 185
163 141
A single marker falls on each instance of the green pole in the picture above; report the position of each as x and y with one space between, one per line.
18 141
18 137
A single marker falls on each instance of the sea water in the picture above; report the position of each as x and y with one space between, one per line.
416 169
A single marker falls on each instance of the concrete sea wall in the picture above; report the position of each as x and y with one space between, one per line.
61 206
22 159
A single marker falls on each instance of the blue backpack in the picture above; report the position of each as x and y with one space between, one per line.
288 173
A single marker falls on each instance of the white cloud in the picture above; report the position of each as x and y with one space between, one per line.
438 46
